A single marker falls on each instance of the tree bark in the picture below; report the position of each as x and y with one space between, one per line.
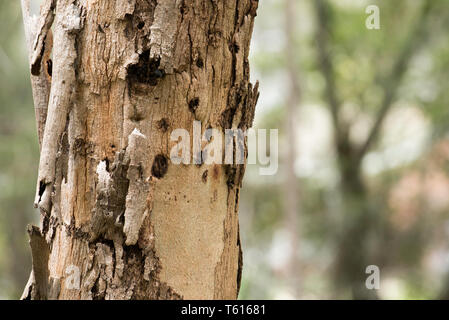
118 219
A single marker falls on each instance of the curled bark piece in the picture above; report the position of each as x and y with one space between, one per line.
26 295
139 187
43 27
40 253
68 23
163 33
40 84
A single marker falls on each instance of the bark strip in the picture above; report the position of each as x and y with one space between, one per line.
68 23
40 84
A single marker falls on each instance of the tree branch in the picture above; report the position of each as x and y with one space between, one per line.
325 61
415 40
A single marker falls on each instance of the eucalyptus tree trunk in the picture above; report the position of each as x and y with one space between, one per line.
119 220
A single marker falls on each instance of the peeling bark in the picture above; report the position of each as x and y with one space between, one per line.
118 219
41 83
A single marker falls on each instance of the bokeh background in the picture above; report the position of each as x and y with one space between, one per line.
363 121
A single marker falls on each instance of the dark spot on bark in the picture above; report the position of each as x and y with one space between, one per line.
215 172
79 147
193 104
136 117
160 166
141 25
235 98
146 71
204 177
72 230
141 172
199 159
100 29
129 26
159 73
240 264
163 124
214 37
183 8
46 224
234 48
200 63
96 295
36 67
106 160
50 67
230 174
42 186
237 197
63 153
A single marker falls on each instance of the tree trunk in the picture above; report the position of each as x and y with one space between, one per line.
358 226
292 194
119 220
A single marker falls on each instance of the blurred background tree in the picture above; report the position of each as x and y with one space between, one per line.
19 153
364 146
371 127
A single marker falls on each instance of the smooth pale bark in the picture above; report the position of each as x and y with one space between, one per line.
41 83
125 74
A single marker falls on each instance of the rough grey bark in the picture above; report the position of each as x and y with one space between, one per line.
126 73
